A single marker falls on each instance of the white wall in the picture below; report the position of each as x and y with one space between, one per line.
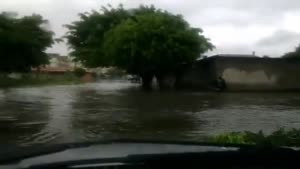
259 77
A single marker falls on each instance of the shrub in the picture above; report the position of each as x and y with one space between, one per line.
79 72
280 137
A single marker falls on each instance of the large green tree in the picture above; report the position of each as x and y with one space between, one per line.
144 41
154 44
23 42
85 36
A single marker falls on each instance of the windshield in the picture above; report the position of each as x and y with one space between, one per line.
203 71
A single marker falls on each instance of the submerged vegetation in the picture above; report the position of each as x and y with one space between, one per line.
281 137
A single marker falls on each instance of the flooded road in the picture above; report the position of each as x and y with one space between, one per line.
116 109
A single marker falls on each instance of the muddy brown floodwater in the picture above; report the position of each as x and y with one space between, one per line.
119 109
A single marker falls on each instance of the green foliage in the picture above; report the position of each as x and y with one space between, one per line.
32 79
155 43
86 35
23 42
293 55
79 72
280 137
140 40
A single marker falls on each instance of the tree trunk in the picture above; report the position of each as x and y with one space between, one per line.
147 81
166 81
160 81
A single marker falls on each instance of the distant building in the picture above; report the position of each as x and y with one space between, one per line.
57 60
57 64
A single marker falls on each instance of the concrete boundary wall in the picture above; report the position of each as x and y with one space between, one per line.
243 74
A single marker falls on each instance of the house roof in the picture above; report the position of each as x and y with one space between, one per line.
53 69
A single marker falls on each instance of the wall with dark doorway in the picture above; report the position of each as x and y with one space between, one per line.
243 73
199 76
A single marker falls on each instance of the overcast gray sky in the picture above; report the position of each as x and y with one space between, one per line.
269 27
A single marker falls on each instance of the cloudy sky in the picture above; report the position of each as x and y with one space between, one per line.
268 27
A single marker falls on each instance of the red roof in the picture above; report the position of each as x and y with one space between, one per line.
54 69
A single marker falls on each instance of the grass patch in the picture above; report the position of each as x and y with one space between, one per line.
39 80
279 138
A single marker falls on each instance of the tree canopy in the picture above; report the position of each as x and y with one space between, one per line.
23 42
155 43
293 55
85 36
143 41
